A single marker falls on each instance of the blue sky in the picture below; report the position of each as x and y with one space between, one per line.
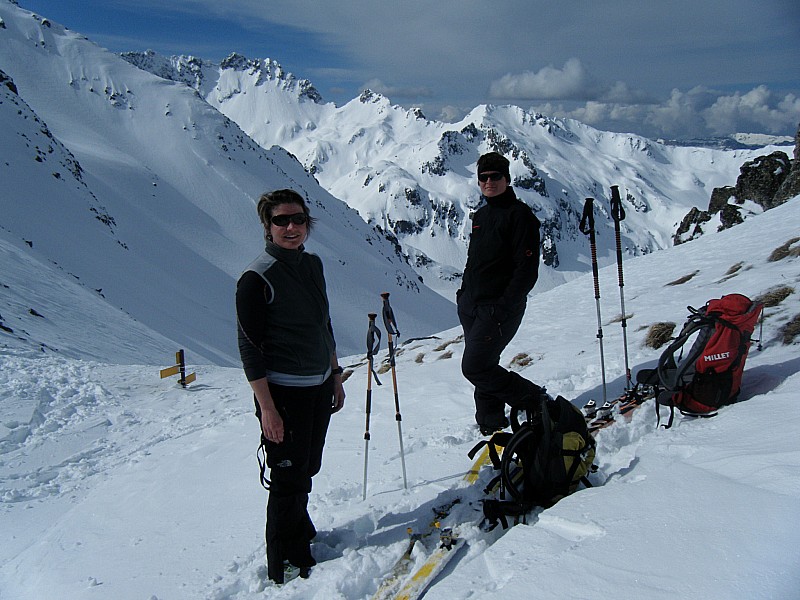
673 68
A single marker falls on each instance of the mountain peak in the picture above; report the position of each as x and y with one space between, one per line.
192 71
370 97
268 69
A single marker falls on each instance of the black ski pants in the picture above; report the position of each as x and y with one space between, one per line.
306 413
487 332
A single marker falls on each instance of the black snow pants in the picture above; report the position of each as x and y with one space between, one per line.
487 332
306 413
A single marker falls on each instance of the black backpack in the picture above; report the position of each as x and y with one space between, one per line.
544 459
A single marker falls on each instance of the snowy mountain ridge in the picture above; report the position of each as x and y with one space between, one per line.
413 176
194 72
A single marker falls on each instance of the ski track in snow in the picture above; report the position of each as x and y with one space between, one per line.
76 416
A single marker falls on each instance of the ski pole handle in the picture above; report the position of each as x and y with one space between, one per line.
373 343
617 211
618 214
388 316
373 336
587 227
587 220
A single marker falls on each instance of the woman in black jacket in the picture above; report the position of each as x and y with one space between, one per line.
288 353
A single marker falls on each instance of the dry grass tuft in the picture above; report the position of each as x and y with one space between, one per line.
735 268
774 295
791 330
444 345
683 279
521 360
659 334
786 250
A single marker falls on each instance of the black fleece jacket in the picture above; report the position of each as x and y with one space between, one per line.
503 256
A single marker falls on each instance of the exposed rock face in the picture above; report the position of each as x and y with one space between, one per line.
692 226
8 82
791 185
769 181
720 197
760 179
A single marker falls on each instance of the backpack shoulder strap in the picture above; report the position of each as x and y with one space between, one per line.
670 373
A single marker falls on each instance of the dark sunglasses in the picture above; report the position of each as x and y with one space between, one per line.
283 220
484 177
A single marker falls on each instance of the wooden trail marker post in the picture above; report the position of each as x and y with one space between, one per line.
179 368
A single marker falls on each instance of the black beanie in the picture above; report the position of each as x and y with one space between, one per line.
493 161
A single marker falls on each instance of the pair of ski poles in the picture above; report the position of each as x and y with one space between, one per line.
587 228
373 343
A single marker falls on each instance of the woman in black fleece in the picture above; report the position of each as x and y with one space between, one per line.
289 357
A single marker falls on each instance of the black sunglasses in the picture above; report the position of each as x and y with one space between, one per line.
484 177
283 220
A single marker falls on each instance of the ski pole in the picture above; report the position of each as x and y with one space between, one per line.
587 228
391 329
373 342
618 214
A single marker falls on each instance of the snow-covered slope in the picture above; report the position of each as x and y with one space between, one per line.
115 484
143 193
415 177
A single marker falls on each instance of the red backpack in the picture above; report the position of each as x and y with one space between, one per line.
710 375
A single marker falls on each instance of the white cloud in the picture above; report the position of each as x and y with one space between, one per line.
451 114
570 83
695 113
390 91
757 110
573 82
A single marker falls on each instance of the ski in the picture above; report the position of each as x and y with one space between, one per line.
450 542
594 413
402 567
397 576
483 459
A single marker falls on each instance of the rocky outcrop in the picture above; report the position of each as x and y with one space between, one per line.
451 144
791 185
767 181
720 197
761 178
8 82
692 226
